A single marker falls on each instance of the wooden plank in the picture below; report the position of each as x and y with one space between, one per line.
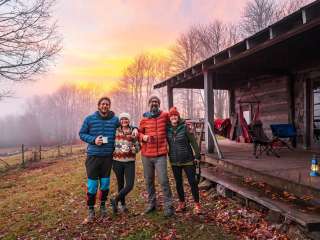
170 96
209 109
307 117
308 220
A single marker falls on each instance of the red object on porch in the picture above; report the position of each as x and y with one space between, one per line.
222 127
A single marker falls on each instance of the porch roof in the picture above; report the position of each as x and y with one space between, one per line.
289 45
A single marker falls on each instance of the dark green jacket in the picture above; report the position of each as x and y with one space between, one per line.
181 142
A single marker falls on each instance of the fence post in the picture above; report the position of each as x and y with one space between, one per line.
59 150
71 149
40 153
22 155
34 155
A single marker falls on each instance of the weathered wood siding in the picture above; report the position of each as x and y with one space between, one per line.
299 99
273 95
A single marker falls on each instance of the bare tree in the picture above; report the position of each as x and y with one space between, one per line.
212 38
185 53
28 38
257 15
287 7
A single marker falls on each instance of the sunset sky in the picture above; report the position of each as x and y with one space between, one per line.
100 37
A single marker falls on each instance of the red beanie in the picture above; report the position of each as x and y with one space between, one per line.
174 112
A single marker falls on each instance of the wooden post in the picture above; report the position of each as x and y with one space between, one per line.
22 155
58 150
40 153
71 149
170 96
291 104
232 103
209 110
307 112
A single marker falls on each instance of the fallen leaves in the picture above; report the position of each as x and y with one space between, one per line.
54 201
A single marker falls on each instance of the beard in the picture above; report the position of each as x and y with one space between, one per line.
154 108
103 110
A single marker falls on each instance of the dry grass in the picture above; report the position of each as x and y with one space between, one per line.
49 203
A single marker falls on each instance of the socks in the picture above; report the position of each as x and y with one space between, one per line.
103 197
91 200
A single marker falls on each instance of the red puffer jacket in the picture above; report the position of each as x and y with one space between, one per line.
155 128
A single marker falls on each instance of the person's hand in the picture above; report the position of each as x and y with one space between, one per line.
135 133
145 138
133 149
98 140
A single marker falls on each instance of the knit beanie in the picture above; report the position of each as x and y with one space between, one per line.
125 115
174 112
154 97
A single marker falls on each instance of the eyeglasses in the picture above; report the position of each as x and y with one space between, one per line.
105 104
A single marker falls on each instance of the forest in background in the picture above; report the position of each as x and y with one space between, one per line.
56 118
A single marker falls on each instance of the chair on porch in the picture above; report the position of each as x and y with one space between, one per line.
282 132
261 142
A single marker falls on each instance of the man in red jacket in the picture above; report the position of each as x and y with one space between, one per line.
152 133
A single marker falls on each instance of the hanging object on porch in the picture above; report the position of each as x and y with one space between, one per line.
314 167
242 129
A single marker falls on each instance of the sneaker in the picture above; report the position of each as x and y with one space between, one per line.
181 207
90 217
168 212
151 208
197 208
103 211
123 208
114 205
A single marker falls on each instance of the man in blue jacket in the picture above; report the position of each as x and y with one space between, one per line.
98 130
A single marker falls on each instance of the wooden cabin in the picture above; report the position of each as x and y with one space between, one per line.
279 66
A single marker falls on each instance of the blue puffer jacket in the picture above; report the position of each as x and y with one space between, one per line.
95 125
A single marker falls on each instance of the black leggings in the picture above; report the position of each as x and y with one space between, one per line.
125 173
191 175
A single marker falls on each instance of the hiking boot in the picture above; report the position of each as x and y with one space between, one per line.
123 208
181 207
197 208
90 217
103 211
151 208
168 212
114 205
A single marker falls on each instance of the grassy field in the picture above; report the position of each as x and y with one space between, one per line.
47 153
47 201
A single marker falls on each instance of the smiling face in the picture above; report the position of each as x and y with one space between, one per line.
124 122
104 106
174 119
154 105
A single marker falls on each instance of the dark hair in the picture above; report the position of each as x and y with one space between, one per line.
104 98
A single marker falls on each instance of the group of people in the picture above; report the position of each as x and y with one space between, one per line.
113 143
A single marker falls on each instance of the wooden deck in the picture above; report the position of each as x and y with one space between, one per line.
290 171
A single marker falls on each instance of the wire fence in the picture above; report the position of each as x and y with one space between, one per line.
24 155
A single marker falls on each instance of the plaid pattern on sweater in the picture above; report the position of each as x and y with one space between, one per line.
125 146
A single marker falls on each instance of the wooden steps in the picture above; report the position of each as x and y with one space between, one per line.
309 220
263 176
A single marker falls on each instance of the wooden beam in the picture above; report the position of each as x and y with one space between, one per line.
271 35
170 96
209 109
232 102
307 112
291 103
304 16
